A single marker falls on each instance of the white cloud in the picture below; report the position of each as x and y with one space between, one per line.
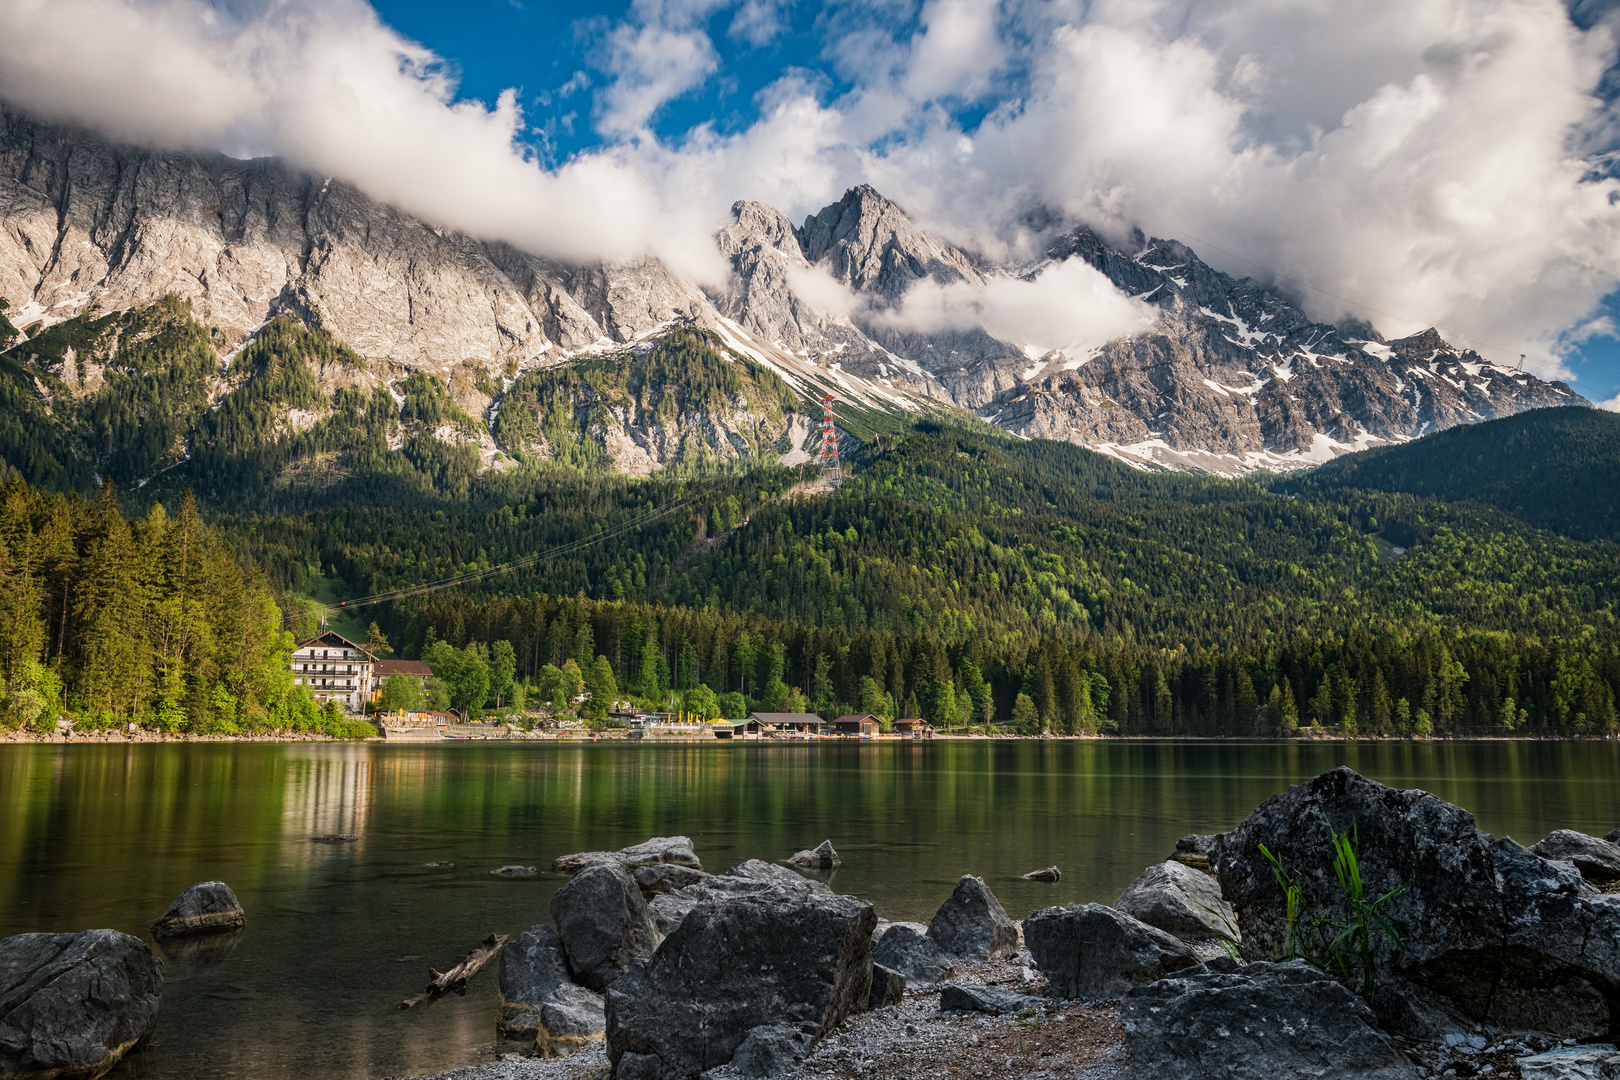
1612 405
823 292
1421 158
1069 306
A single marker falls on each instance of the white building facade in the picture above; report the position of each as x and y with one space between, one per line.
335 669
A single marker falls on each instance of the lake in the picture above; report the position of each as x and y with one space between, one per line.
94 836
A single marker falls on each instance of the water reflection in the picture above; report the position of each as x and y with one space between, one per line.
109 835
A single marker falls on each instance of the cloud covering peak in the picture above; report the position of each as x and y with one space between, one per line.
1413 162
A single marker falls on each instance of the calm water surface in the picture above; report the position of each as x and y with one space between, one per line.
108 835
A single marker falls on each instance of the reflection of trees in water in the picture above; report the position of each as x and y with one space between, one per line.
328 790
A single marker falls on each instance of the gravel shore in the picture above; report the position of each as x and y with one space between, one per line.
914 1041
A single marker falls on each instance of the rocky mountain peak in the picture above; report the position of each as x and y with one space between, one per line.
872 245
1421 346
757 225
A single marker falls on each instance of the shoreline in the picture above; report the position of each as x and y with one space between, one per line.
113 737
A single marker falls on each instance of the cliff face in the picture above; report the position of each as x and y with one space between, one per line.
1230 377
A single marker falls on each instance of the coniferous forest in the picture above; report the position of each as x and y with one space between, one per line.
959 574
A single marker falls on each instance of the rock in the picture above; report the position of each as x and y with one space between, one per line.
769 1050
1094 952
823 857
1504 936
663 878
1597 860
441 865
71 1005
537 1000
603 922
907 948
985 999
971 924
206 908
1178 900
1258 1022
774 956
660 850
334 838
1612 837
1597 1062
1193 850
752 876
888 987
1047 874
516 871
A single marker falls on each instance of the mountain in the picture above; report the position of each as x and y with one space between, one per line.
1555 468
1229 377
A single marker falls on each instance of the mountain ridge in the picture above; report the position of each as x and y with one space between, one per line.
1229 378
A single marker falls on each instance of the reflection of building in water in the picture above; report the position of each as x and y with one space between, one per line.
329 790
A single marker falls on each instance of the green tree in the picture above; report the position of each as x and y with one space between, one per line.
604 691
733 706
1024 716
400 693
978 691
941 709
502 666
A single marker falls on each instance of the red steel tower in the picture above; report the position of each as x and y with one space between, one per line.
830 471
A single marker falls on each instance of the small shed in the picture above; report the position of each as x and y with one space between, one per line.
807 723
913 728
863 726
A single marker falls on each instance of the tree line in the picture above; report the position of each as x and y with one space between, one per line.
106 620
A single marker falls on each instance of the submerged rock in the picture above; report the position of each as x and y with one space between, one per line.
1049 874
334 838
516 871
209 907
675 850
72 1005
972 925
777 957
1094 952
1259 1022
1178 900
537 1000
907 948
1597 860
822 857
1493 932
603 922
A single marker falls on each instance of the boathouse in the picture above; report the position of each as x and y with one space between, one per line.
865 725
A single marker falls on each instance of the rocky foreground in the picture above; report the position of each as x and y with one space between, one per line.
1343 930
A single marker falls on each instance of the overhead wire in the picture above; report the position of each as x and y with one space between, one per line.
484 573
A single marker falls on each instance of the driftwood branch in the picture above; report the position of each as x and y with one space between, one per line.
455 980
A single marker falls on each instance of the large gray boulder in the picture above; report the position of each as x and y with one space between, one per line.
888 987
1178 900
539 1002
971 925
603 922
1259 1022
72 1005
206 908
907 948
752 876
985 999
1572 1063
661 878
776 957
1094 952
660 850
1597 860
1491 932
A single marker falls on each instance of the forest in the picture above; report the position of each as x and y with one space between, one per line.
959 574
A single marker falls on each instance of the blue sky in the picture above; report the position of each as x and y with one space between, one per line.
1413 162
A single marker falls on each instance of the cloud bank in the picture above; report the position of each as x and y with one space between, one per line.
1413 162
